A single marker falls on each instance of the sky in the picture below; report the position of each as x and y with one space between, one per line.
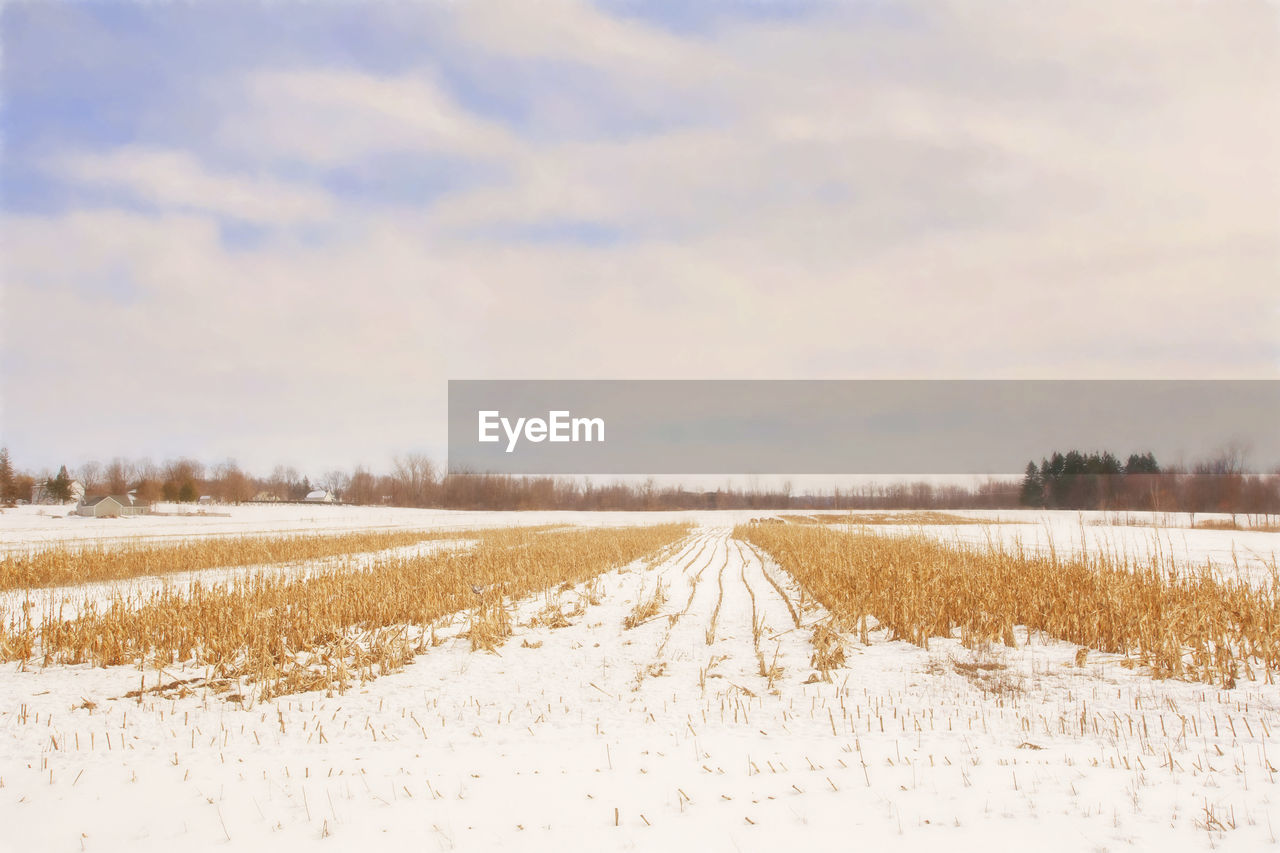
273 232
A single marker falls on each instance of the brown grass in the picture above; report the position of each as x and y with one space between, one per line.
490 623
553 615
921 517
289 634
1180 623
989 674
828 650
73 564
647 606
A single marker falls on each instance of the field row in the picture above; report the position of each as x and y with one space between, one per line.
1180 622
71 565
309 630
287 634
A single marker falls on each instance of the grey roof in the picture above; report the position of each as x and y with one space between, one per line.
123 500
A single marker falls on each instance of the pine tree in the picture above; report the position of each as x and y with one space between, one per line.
1052 475
1032 487
1144 463
60 486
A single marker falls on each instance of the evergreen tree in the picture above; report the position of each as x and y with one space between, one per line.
1144 463
1053 474
187 494
1103 463
60 486
1032 487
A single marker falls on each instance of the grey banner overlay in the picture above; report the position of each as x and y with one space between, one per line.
856 426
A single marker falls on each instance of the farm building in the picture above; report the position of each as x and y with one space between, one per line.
112 506
320 496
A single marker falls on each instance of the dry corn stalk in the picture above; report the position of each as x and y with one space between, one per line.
1181 623
288 634
73 563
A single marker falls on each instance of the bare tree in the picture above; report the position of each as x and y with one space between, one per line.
8 478
115 477
232 484
90 476
362 488
414 479
182 479
336 482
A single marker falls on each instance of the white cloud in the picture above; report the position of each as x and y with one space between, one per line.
1059 192
177 179
331 117
577 32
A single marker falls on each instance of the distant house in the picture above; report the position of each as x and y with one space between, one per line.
112 506
40 493
320 496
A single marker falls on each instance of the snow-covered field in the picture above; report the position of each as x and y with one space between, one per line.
1142 536
29 527
26 527
665 736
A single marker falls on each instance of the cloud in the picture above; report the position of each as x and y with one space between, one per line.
330 117
177 179
567 30
1051 191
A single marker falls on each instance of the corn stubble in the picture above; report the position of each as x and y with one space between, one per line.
287 634
1183 623
72 564
912 518
647 607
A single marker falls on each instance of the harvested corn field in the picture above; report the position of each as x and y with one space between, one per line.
1173 620
692 683
69 564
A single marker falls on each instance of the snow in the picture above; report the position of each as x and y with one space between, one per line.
540 746
29 527
1253 554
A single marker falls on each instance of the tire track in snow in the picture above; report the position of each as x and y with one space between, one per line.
751 610
683 637
715 613
777 586
678 575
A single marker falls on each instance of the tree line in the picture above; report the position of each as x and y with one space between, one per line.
415 481
1098 480
1070 480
